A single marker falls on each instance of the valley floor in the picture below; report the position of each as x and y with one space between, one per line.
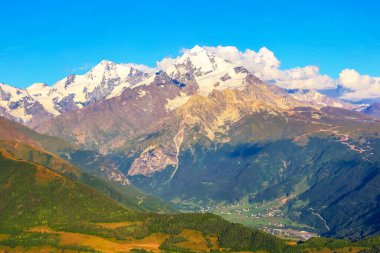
268 216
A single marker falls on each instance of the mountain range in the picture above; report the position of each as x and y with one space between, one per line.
203 134
50 205
39 102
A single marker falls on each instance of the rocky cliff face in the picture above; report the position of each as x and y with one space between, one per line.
254 114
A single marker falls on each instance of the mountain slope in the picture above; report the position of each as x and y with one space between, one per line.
13 131
126 195
43 210
35 153
373 110
292 157
121 117
39 156
255 114
43 197
32 195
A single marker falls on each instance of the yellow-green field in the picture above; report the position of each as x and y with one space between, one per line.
194 241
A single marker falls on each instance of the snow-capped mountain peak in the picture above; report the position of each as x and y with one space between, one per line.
37 86
105 80
197 49
38 89
10 93
105 67
209 71
197 71
18 104
202 60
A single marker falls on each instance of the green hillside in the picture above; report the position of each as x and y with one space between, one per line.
35 197
127 195
14 131
90 164
26 144
38 155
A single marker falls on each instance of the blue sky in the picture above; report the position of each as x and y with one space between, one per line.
43 41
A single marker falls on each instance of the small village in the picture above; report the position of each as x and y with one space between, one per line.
268 217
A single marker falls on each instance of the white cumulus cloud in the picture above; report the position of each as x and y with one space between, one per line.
165 63
265 65
359 86
262 63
